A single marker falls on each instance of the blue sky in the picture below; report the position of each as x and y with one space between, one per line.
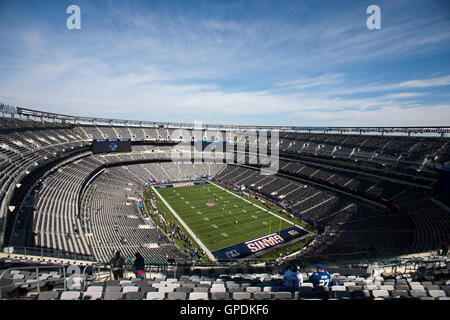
305 63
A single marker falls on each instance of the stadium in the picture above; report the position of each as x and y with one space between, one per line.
209 218
235 153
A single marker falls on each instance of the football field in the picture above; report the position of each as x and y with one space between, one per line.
220 218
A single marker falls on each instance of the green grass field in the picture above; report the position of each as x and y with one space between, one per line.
190 203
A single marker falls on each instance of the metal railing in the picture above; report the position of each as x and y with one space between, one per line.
48 253
38 280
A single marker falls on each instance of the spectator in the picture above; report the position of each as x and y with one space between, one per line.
139 266
292 278
444 248
117 263
320 278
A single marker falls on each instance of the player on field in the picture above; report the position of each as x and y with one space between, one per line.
320 278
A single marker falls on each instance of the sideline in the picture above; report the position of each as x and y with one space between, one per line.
193 235
265 210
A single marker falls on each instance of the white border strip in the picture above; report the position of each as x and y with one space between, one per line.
210 255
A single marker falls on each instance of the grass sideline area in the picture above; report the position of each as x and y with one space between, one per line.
168 217
211 213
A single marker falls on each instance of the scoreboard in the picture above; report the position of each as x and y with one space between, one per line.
111 145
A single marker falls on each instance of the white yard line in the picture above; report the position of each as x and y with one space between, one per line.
290 222
193 235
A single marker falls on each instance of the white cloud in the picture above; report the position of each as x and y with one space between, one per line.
386 116
170 65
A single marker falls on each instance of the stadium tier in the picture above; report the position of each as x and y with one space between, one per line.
352 196
429 281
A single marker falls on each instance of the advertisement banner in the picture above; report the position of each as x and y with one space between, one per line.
250 247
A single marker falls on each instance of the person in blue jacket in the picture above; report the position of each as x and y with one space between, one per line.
320 278
292 278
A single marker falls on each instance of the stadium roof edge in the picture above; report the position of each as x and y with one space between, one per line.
25 112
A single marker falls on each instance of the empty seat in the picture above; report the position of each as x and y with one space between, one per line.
370 287
253 289
401 281
401 287
146 289
113 289
200 289
282 296
399 294
183 289
417 293
127 289
361 294
321 292
241 296
169 280
70 295
133 296
436 293
342 295
349 284
415 283
218 289
94 289
338 288
176 296
48 295
112 295
417 287
387 287
198 296
92 295
380 293
262 295
245 285
165 289
432 287
353 288
220 295
155 296
302 293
